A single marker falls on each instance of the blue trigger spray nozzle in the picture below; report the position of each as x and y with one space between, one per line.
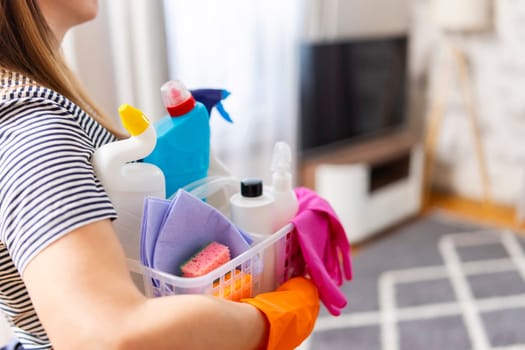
212 98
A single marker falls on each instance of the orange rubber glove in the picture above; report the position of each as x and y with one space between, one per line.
291 312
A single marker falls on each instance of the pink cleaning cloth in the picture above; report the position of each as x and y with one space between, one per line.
324 246
206 260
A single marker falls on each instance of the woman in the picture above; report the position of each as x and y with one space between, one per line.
64 282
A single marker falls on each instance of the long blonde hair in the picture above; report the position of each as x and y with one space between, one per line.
28 46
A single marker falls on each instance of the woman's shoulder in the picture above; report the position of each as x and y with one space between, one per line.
15 85
24 101
16 88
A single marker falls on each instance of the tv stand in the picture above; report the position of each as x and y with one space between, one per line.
371 184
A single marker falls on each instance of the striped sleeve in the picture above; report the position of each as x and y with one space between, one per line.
47 183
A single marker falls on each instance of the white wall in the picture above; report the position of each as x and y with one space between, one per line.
344 19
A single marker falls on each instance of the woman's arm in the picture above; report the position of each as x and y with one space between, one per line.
85 298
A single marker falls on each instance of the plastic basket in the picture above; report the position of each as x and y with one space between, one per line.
241 277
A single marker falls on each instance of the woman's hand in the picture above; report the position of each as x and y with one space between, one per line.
291 312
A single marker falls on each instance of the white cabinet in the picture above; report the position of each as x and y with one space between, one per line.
363 209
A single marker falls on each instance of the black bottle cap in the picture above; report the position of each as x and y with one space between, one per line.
251 187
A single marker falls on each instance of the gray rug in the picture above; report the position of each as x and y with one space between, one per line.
436 283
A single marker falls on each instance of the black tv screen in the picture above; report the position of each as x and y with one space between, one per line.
351 90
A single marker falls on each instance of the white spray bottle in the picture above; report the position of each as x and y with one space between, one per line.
285 200
128 184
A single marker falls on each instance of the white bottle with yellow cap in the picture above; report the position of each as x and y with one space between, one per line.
128 183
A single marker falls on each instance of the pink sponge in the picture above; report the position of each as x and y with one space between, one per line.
206 260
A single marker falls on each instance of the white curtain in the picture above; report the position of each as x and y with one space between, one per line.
121 56
250 48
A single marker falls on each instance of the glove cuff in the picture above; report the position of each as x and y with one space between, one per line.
291 312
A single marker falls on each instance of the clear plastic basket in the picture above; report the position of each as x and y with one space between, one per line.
241 277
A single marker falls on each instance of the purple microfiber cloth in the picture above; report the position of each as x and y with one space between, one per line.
154 215
155 210
189 225
324 246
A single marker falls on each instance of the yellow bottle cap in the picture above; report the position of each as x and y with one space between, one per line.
133 119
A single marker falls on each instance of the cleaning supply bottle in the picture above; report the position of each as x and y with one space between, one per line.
285 200
252 209
128 183
212 98
183 138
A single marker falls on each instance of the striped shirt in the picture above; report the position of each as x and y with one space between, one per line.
47 187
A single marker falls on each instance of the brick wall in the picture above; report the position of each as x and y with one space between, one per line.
497 60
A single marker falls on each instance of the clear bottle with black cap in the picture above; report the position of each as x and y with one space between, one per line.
252 208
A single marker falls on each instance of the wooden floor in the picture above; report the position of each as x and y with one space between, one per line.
493 214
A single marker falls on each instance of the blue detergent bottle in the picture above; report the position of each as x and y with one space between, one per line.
182 151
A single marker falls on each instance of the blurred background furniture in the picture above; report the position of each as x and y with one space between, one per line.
357 146
457 19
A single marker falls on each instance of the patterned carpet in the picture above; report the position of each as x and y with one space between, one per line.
437 283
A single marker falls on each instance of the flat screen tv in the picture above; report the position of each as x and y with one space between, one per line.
351 90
